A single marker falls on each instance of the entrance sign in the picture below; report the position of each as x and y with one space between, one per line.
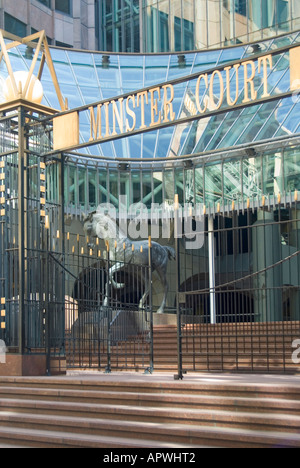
235 86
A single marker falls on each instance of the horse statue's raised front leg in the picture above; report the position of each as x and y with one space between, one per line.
162 276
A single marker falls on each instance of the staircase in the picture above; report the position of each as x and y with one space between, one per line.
137 411
247 347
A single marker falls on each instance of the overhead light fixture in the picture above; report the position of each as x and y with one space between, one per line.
188 163
255 48
105 61
181 61
250 152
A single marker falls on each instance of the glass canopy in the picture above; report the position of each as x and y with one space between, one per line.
88 77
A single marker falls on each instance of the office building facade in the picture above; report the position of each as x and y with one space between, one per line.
198 151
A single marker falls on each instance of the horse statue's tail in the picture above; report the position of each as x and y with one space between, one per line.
171 252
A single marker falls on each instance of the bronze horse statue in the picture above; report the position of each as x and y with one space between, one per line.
123 253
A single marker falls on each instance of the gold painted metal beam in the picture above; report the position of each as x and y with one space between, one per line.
41 47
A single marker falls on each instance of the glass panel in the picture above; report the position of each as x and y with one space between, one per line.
147 188
213 183
158 187
273 174
72 185
163 24
136 186
82 186
291 170
102 189
92 188
179 185
189 186
199 189
252 177
169 192
113 188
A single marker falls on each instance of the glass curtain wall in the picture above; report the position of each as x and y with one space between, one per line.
118 25
180 25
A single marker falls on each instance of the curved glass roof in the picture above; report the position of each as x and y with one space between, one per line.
89 77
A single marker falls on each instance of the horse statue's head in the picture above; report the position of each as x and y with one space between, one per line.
101 225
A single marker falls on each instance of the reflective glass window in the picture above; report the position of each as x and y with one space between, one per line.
63 5
252 177
113 188
136 178
179 185
273 173
213 183
47 3
92 188
147 188
14 25
232 180
291 170
102 187
199 188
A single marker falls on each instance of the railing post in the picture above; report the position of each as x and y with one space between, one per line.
212 276
108 311
22 234
179 375
151 308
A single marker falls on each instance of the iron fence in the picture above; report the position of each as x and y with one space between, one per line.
246 317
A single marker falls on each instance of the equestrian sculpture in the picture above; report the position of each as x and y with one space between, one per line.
104 227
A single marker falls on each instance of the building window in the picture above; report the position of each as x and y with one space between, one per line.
63 5
47 3
14 26
63 44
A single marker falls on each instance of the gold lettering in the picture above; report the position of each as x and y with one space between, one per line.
154 106
264 61
205 78
227 69
168 106
131 113
295 68
211 90
248 80
95 124
106 105
143 97
118 115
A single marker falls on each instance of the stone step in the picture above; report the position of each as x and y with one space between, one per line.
145 400
159 415
149 411
139 433
52 439
163 384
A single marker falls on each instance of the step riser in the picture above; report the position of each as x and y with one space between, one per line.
220 390
202 419
178 437
7 402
